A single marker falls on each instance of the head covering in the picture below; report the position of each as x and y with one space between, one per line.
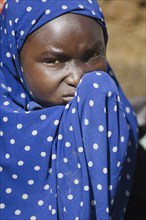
15 30
64 162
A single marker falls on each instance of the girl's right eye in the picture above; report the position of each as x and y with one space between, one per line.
51 61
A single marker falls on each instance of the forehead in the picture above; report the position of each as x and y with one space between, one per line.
67 30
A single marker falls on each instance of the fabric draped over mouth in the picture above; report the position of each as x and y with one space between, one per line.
64 162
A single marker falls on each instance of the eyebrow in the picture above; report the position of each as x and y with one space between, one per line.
62 55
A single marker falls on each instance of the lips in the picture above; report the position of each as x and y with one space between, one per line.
68 97
71 93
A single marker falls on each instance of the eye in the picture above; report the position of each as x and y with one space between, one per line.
56 61
90 55
51 61
95 54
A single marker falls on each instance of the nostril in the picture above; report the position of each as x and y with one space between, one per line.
73 80
73 77
75 71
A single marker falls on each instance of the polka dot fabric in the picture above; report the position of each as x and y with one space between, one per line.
72 162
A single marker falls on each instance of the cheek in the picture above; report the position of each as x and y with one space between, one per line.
36 78
42 81
103 64
35 73
98 64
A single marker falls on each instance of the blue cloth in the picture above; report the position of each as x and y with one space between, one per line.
72 162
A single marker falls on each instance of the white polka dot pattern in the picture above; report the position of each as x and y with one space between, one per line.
75 152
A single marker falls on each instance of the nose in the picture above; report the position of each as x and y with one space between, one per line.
75 71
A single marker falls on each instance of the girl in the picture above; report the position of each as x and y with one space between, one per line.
68 134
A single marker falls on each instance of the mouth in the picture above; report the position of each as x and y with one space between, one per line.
68 97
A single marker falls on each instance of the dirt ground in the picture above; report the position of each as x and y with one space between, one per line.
126 51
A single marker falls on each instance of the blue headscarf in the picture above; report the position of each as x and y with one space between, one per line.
72 162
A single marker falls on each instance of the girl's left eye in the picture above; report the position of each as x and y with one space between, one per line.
95 54
90 56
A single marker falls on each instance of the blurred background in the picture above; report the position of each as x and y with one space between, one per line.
126 51
1 4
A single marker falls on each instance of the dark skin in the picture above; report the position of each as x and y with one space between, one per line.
57 55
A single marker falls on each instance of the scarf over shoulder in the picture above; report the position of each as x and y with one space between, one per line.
72 162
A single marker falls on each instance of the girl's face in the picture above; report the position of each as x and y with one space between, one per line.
56 56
